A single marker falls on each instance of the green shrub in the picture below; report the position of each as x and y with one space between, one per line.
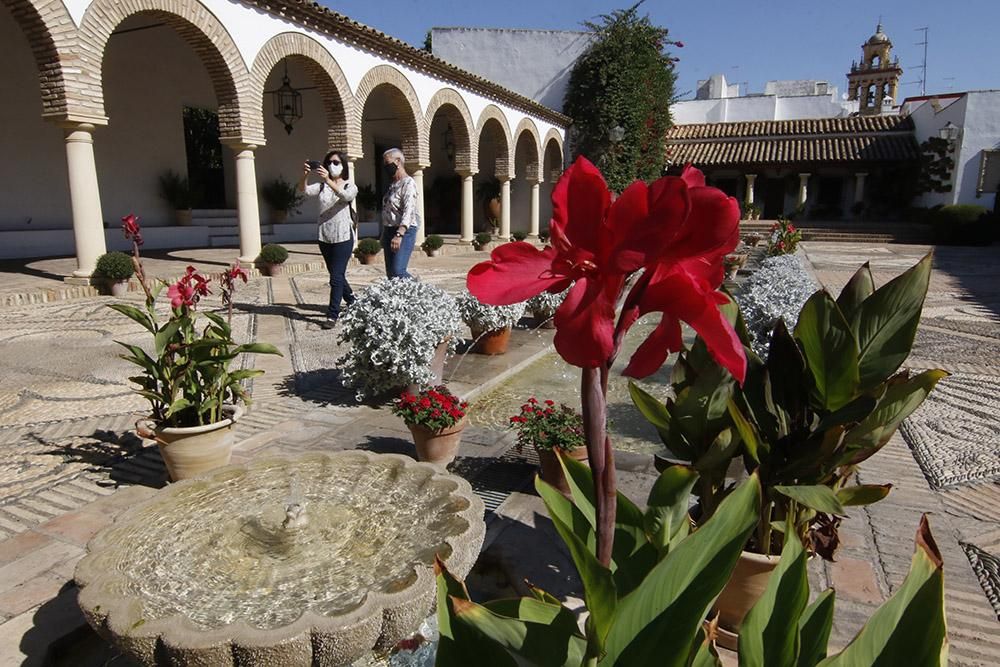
432 242
483 239
175 190
273 253
519 235
368 247
115 266
280 195
960 224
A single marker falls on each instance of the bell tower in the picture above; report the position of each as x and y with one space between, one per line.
874 81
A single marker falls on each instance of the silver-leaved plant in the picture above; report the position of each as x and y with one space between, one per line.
483 317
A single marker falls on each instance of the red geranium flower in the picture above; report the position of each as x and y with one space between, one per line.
676 228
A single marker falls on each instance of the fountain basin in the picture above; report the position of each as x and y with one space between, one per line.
315 560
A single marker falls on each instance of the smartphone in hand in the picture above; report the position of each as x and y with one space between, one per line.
314 164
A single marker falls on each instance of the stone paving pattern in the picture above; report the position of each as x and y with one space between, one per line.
68 462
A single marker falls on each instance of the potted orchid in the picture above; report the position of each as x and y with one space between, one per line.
490 325
436 418
553 430
194 397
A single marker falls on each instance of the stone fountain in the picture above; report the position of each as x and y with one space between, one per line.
316 560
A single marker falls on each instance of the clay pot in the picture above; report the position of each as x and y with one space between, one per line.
367 259
279 217
745 587
193 450
438 447
492 342
492 209
552 472
544 320
436 366
432 253
183 217
109 287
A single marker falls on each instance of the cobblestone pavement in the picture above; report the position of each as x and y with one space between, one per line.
68 462
946 458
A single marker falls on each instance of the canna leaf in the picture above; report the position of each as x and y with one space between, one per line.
863 494
818 497
858 288
830 350
814 629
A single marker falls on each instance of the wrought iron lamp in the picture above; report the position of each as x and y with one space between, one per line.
287 102
449 144
950 133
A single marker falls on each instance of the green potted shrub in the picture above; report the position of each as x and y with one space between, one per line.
751 211
112 273
543 308
270 259
488 194
519 235
367 250
550 428
490 325
368 202
432 244
960 224
176 191
281 197
482 240
828 396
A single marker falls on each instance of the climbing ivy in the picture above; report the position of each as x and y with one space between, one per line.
626 78
935 166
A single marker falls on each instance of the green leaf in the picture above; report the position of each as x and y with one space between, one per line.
259 348
858 288
656 414
830 350
657 623
899 401
863 494
818 497
177 406
545 634
910 628
705 654
767 634
887 323
461 644
667 507
746 431
598 582
134 313
164 336
814 629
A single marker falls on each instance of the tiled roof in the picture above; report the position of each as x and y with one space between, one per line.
816 140
317 17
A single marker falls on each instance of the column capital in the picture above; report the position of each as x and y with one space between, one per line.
238 145
750 177
414 167
466 173
804 175
860 174
504 178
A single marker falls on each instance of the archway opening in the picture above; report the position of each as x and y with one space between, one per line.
385 116
448 140
553 168
525 176
493 162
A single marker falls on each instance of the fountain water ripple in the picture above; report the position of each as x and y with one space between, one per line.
279 549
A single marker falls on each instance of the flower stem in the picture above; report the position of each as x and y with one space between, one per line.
593 392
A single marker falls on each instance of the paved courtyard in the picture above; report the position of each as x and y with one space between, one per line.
68 461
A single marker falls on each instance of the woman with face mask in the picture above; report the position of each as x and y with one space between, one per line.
400 219
336 228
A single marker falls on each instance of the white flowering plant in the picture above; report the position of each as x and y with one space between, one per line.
775 291
483 317
546 303
393 330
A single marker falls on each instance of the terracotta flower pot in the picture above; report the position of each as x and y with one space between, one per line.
182 217
268 269
745 587
436 365
109 287
438 447
432 253
193 450
491 342
367 259
552 472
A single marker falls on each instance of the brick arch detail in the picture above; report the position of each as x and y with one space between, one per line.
405 105
327 76
505 163
239 120
450 102
535 144
51 34
552 139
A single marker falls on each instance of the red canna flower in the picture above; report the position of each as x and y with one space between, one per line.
676 228
131 229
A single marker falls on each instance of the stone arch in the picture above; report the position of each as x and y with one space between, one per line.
327 76
493 121
533 144
451 103
405 104
239 120
554 149
50 33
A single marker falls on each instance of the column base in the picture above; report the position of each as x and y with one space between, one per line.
78 278
248 261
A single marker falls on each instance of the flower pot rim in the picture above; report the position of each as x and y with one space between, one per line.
236 412
460 424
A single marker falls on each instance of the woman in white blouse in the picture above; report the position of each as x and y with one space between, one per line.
400 219
336 228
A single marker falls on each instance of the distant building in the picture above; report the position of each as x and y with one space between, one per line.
875 81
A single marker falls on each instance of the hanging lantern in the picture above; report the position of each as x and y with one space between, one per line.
287 102
449 144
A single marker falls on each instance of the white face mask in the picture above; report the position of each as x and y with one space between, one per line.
334 169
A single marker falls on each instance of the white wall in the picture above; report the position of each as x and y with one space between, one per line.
759 107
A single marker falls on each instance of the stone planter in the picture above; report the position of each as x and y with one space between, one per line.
109 287
269 269
366 259
745 587
432 253
439 447
490 342
552 471
193 450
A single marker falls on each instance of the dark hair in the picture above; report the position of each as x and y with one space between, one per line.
346 173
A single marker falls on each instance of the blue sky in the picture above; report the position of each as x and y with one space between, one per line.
803 39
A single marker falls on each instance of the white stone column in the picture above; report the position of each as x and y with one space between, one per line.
859 186
85 198
467 198
505 208
247 207
803 189
751 178
418 176
535 187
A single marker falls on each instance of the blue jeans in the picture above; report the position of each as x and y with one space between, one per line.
336 256
395 262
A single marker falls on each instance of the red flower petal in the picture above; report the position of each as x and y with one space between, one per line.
580 202
585 322
644 221
693 177
712 228
515 272
653 351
